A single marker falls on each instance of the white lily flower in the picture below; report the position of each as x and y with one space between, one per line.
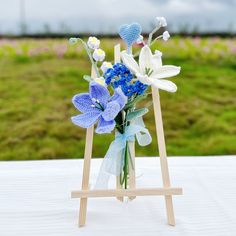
158 53
150 70
101 81
93 43
166 35
162 21
105 66
98 55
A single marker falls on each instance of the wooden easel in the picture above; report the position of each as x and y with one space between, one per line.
167 191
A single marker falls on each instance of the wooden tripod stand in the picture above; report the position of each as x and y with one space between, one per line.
167 191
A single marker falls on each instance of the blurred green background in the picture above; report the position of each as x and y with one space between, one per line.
39 77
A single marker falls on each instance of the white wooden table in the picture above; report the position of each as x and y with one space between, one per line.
35 199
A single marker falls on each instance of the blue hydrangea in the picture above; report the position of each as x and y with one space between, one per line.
120 76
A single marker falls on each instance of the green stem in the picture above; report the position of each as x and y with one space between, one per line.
121 178
151 34
126 165
90 57
155 40
121 124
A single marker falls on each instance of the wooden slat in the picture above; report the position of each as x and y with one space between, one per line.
132 180
126 192
86 168
162 153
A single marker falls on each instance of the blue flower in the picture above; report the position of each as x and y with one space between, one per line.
120 76
97 105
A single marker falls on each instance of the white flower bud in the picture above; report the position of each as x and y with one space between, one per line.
162 21
98 55
93 43
166 35
105 66
73 41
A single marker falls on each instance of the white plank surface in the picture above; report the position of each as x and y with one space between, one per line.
35 199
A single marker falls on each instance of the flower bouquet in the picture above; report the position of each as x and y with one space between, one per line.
115 92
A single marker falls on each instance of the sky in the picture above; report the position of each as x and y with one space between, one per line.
105 16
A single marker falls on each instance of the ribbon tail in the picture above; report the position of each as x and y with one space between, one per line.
112 164
103 178
143 137
113 161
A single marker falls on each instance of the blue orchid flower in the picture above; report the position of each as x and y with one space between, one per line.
98 105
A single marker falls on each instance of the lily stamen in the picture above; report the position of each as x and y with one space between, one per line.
148 71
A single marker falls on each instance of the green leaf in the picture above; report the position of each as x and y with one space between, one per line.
87 78
136 113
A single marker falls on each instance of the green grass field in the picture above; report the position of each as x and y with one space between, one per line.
39 77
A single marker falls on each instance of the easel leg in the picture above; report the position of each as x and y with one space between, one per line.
86 168
162 153
86 172
170 210
83 211
132 180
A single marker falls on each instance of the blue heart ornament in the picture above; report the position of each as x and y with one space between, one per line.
130 33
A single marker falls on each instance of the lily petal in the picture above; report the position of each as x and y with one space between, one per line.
87 119
145 59
99 92
144 79
105 126
119 97
156 62
111 111
166 71
164 85
83 103
130 62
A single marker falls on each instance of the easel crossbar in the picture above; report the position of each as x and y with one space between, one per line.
126 192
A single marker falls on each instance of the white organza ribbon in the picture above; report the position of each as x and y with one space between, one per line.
113 161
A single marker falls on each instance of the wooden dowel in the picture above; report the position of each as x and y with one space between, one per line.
132 180
162 153
126 192
86 169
